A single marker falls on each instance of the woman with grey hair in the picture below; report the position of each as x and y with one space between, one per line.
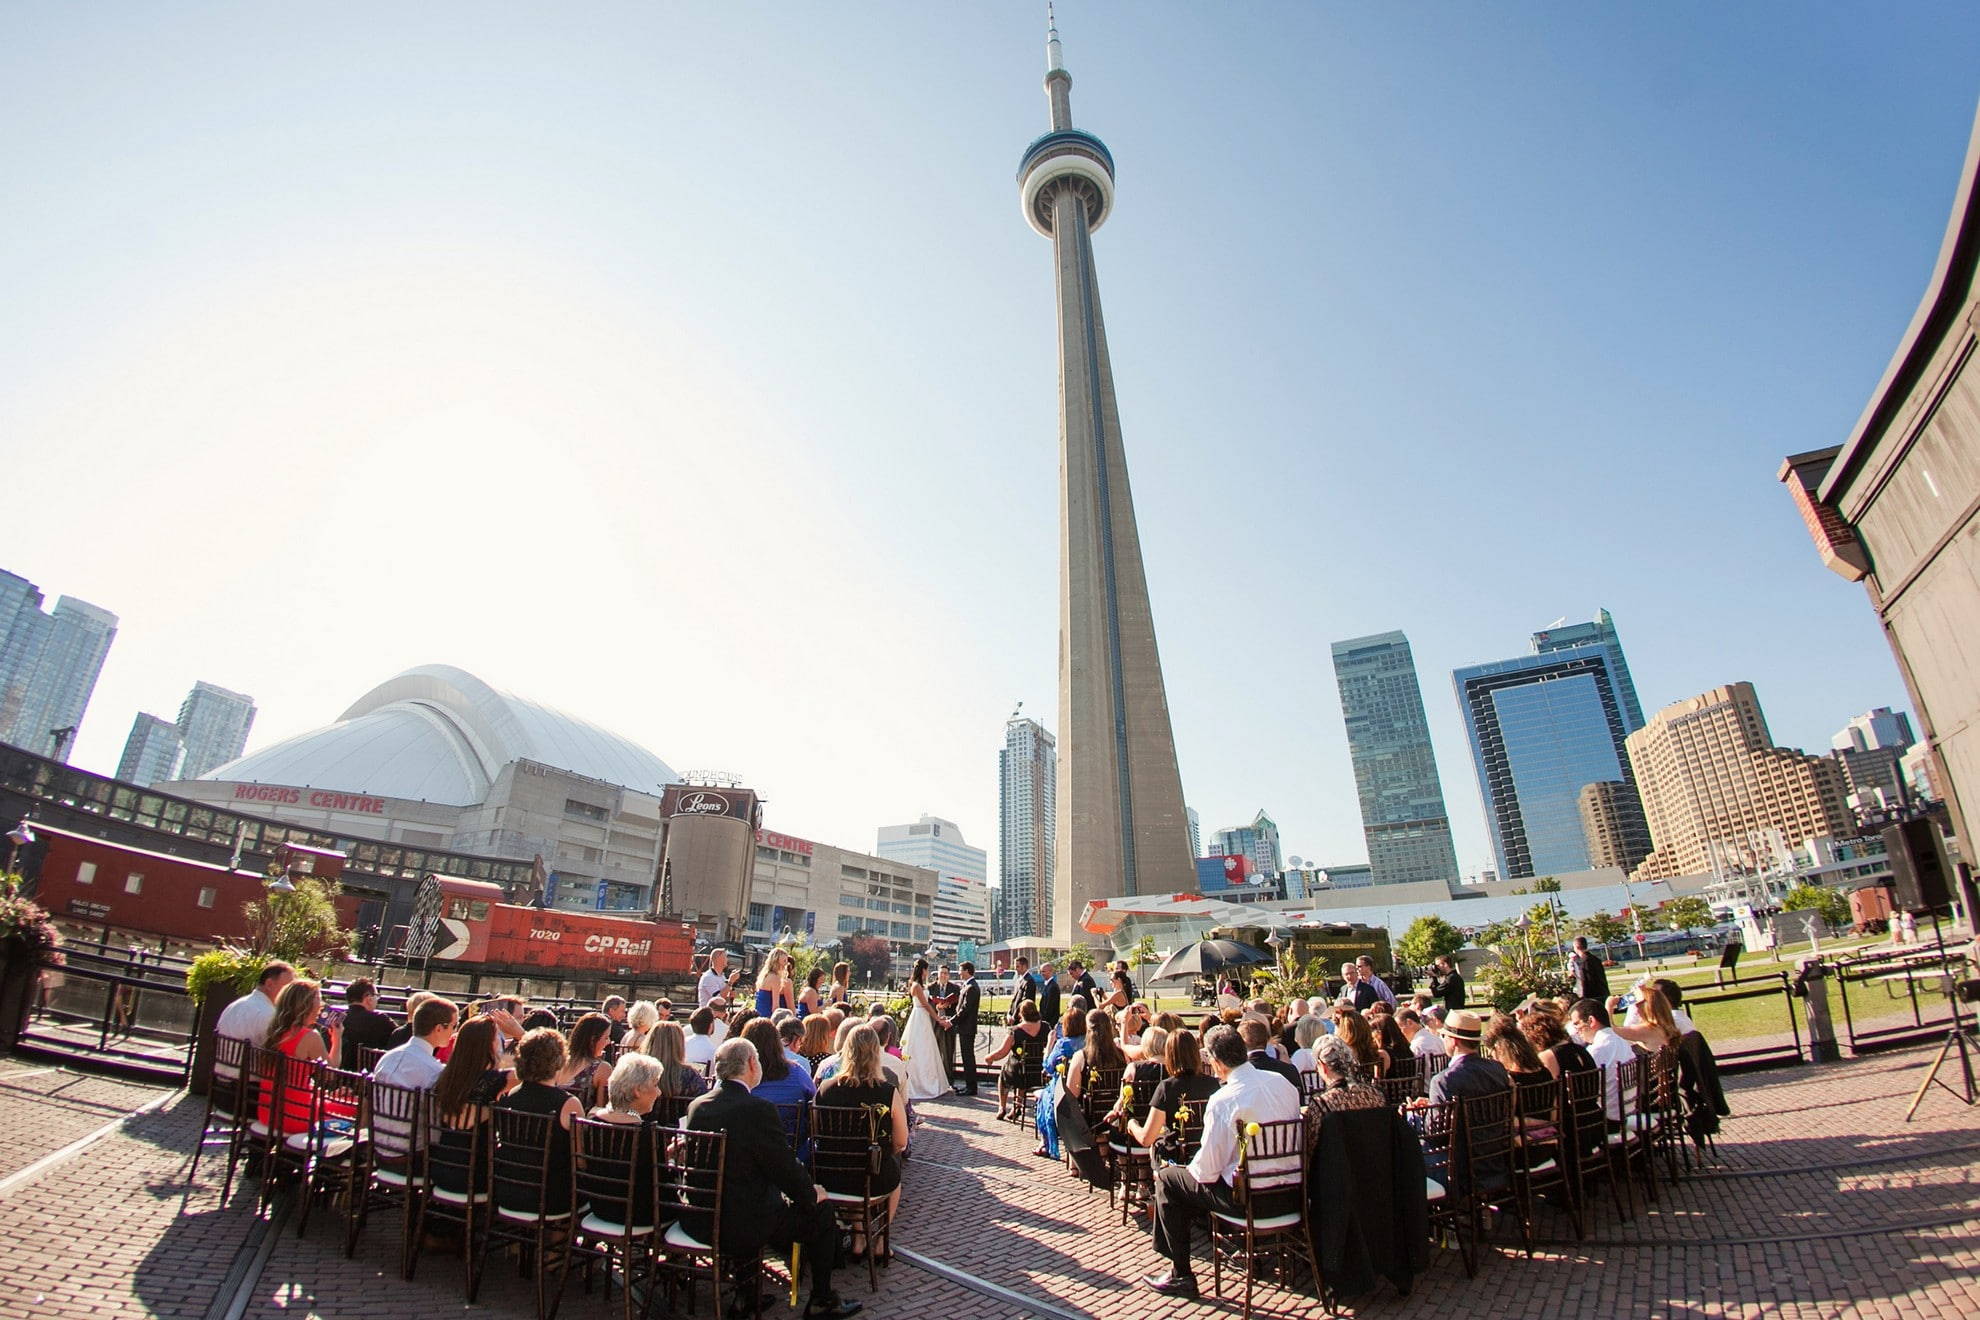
1305 1031
639 1020
1339 1089
630 1093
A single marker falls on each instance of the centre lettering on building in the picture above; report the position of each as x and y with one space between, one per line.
315 797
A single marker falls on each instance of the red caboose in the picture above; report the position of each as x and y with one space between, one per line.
470 924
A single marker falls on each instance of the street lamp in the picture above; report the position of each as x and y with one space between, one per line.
19 837
1525 924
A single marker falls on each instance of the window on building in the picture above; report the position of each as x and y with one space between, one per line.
573 807
208 895
759 916
86 873
921 932
848 925
134 883
900 930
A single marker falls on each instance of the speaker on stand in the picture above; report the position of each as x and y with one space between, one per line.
1923 882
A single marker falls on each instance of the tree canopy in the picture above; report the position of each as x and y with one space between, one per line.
1428 939
1829 904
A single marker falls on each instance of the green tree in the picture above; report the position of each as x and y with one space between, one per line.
1083 955
1602 928
1546 884
1686 913
804 955
1829 904
1143 954
1428 939
300 923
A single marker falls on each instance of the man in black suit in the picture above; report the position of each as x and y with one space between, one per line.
963 1028
1083 982
1257 1035
767 1198
1025 987
1048 996
365 1028
1590 978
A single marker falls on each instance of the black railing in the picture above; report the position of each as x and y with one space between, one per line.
124 1012
1881 977
1768 1053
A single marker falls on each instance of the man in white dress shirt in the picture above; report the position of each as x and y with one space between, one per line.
1588 1023
1186 1193
713 987
413 1064
247 1019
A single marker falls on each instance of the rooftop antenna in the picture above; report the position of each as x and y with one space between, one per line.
1055 58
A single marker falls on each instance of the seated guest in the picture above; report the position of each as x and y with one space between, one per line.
767 1198
413 1064
1398 1060
293 1032
830 1063
1257 1033
1184 1194
1424 1041
1588 1024
1506 1044
539 1018
668 1047
1100 1051
1674 1000
1185 1084
614 1008
246 1019
629 1095
1651 1024
701 1044
1305 1031
404 1031
539 1058
1058 1062
781 1084
790 1030
470 1083
816 1042
1146 1071
1352 1027
1010 1053
1469 1074
1339 1089
584 1072
639 1020
365 1028
1558 1054
861 1081
1133 1025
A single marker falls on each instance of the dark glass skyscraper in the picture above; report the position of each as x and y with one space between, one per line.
1395 770
1543 728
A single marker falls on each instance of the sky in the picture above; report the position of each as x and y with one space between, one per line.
691 368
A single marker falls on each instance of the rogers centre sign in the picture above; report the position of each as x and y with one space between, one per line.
315 797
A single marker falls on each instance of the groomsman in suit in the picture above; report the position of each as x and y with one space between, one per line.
943 994
1049 995
1026 987
963 1027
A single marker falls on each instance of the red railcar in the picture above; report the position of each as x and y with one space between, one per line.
90 879
84 878
466 921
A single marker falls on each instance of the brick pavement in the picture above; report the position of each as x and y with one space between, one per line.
1821 1204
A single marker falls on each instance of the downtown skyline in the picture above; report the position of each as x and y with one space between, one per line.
1472 299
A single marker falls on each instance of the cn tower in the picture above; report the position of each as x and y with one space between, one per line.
1121 825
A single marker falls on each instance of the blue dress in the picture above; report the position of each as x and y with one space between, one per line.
1062 1052
764 999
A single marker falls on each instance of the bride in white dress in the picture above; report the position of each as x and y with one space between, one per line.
926 1079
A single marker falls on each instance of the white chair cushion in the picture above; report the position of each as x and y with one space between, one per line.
529 1216
852 1198
458 1198
1268 1222
334 1149
393 1178
1544 1166
679 1237
597 1227
1433 1189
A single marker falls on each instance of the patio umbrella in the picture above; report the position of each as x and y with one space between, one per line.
1207 956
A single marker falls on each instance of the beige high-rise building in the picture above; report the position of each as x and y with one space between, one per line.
1714 787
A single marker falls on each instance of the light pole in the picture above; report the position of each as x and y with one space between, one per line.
1525 924
18 838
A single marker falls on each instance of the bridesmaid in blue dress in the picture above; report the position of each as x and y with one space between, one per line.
773 984
1072 1038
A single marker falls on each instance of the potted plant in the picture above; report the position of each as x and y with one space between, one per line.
29 942
216 979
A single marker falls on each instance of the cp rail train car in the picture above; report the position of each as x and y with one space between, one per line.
466 922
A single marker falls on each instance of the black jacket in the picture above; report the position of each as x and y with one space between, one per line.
1698 1082
1591 979
1026 988
364 1029
1449 990
757 1163
967 1005
1367 1201
1048 1002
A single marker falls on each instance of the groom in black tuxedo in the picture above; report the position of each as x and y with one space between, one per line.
963 1027
942 994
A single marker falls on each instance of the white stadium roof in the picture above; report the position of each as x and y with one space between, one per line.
439 734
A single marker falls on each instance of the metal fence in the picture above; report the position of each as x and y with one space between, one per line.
125 1011
1766 1052
1920 981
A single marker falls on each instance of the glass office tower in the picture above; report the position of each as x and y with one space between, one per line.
1395 771
1542 728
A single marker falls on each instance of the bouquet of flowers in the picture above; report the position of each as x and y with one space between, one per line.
26 926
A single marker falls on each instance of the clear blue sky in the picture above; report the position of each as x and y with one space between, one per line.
690 366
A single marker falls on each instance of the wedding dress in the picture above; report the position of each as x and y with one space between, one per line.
926 1079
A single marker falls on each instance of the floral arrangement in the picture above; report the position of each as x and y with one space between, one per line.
28 924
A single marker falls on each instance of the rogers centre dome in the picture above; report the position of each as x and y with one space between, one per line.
439 734
434 757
